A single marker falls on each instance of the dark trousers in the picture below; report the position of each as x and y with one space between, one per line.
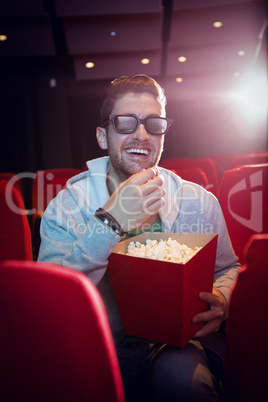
154 372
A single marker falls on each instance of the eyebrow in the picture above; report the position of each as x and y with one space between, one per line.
135 114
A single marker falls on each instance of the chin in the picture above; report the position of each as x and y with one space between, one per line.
124 170
139 167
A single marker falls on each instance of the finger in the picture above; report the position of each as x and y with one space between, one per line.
209 298
152 185
211 326
157 180
154 206
149 191
156 170
145 175
153 197
208 316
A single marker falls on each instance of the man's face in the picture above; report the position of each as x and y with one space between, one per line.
130 153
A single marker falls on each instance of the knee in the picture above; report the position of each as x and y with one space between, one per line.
175 377
203 386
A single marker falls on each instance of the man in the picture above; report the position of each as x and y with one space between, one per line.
127 193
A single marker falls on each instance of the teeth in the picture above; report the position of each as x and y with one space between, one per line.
137 151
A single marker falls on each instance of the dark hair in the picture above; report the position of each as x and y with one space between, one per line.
139 83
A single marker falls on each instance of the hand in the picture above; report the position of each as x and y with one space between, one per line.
213 317
137 198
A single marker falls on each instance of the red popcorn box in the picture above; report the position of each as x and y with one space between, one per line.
158 299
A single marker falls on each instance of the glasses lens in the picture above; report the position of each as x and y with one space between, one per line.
156 125
125 124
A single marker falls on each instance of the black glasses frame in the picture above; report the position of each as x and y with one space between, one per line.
112 118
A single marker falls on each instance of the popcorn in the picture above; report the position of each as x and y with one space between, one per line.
164 250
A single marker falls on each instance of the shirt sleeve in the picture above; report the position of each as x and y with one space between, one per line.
71 238
227 266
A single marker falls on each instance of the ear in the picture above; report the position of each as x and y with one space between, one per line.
101 137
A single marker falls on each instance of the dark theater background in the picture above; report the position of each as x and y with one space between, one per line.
50 100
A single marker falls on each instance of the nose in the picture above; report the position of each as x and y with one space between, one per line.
141 134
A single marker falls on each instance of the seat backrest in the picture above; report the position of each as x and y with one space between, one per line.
47 184
14 179
55 340
222 162
206 164
254 158
243 196
247 327
15 234
195 175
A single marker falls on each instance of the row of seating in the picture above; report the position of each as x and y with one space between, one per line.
56 343
206 168
26 221
55 339
242 190
15 234
86 338
242 193
212 166
207 172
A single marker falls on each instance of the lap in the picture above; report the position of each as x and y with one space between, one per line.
167 373
186 374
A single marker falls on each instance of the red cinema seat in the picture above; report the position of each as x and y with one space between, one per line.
222 163
254 158
14 180
195 175
247 327
55 340
47 184
243 196
15 234
205 164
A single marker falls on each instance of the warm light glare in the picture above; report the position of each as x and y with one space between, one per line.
241 53
217 24
3 38
179 79
251 96
145 61
182 59
90 64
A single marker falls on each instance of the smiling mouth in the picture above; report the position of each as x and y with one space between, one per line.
137 151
